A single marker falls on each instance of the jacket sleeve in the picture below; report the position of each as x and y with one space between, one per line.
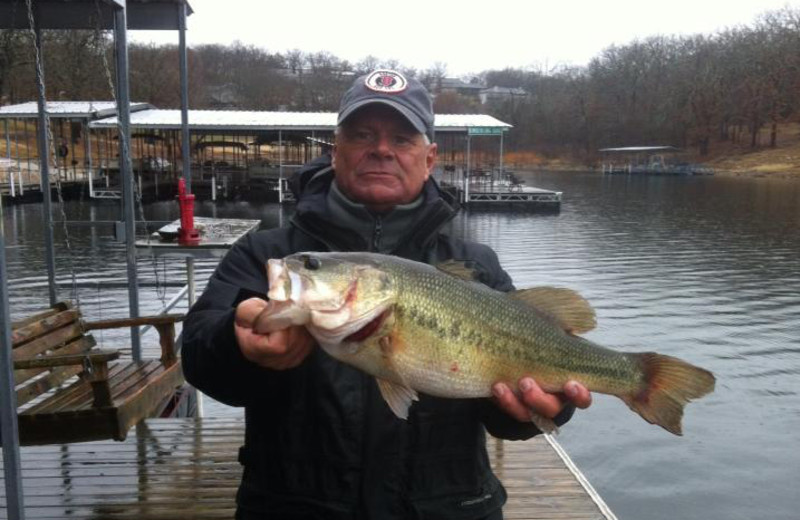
497 422
212 361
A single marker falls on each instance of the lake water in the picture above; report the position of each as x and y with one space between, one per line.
706 269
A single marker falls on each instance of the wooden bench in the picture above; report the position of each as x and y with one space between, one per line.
68 391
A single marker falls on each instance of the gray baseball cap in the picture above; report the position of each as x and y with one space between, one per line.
406 95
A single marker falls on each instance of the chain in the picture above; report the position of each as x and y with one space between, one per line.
160 292
51 155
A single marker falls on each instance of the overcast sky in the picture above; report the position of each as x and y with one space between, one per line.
468 36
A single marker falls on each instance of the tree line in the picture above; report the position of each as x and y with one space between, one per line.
736 85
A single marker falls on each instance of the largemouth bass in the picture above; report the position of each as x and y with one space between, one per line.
419 328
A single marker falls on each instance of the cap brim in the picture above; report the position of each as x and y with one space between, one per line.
412 118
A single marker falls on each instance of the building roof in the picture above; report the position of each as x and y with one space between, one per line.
66 109
631 149
459 84
234 120
505 91
93 14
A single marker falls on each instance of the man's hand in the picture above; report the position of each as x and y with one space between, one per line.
278 350
533 399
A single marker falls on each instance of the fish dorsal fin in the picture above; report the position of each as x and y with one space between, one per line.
398 397
568 308
462 270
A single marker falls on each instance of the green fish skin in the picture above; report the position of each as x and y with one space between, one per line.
419 328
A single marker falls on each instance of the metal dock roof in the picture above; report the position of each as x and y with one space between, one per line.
67 109
641 149
261 120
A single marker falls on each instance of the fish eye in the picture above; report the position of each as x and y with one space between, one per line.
311 263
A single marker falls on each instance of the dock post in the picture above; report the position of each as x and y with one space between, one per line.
280 167
466 175
185 153
87 152
501 155
8 139
129 211
91 166
9 430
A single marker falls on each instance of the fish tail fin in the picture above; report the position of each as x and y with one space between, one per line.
670 384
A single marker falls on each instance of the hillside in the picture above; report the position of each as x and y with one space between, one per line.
781 161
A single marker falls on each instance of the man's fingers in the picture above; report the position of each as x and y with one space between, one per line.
279 350
543 403
531 398
578 394
248 310
509 402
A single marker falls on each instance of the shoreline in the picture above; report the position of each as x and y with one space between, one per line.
718 172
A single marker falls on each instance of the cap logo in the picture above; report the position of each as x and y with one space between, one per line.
386 82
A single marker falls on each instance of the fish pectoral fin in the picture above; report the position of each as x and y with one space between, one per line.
461 270
565 306
398 397
544 424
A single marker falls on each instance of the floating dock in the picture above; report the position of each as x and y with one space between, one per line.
505 197
188 469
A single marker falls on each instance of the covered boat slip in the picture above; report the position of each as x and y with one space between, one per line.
80 156
188 469
260 149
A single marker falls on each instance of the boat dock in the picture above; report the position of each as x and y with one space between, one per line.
188 469
650 160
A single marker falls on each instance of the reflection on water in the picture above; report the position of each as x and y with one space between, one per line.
706 269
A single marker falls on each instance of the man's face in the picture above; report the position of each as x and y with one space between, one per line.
380 159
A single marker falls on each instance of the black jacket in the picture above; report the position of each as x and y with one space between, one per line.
320 442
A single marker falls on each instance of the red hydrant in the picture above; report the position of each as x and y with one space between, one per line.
187 234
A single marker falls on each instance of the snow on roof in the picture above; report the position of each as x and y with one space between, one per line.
226 119
460 122
259 120
66 109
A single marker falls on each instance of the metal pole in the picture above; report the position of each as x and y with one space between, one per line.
190 297
44 173
501 154
9 432
280 167
8 139
87 149
88 153
466 177
190 280
187 163
128 207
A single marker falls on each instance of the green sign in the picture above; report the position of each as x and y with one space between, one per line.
485 130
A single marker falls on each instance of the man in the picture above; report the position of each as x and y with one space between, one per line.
320 442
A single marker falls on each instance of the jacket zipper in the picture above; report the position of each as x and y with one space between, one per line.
376 235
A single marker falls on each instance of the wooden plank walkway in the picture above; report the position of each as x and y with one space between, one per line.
187 469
